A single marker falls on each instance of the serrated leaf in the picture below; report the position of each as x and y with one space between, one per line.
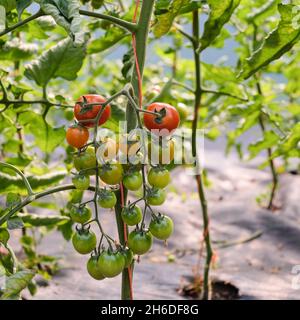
220 14
62 60
16 50
15 283
12 200
165 20
268 141
40 221
277 43
15 223
110 38
4 236
66 14
22 5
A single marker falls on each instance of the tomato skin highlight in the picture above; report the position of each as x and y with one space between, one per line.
159 178
84 241
169 122
93 268
133 181
132 216
91 113
107 199
81 182
111 263
81 214
140 242
77 136
162 227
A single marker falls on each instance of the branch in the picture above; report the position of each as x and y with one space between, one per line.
131 27
224 94
21 23
9 102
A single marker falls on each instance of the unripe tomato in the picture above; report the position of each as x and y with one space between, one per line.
84 241
112 173
159 177
91 112
80 214
128 255
163 154
81 182
77 136
86 160
111 263
161 227
156 197
132 215
93 268
140 242
133 181
182 110
165 124
107 199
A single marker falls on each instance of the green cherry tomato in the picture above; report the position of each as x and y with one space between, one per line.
80 214
140 242
132 216
81 182
107 199
112 173
84 241
111 263
128 255
156 197
159 177
161 227
86 160
93 268
133 181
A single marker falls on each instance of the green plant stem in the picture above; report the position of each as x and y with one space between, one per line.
199 174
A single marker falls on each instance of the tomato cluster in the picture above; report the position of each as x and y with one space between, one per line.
102 159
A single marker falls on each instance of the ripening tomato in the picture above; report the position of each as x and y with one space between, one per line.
111 173
161 227
86 160
80 214
77 136
93 268
159 177
91 112
111 263
140 241
84 241
164 124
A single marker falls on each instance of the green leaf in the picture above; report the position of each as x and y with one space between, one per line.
22 5
16 283
262 10
4 236
268 141
166 15
16 50
110 38
277 43
66 14
220 14
40 221
12 200
62 60
2 18
8 4
15 223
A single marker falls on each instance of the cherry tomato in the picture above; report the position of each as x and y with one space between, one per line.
77 136
91 112
165 124
159 177
140 242
111 263
84 241
80 214
182 110
107 199
81 182
93 268
161 154
133 181
128 255
86 160
111 173
161 227
132 216
156 197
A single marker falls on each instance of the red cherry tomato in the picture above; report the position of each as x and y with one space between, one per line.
90 112
77 136
169 119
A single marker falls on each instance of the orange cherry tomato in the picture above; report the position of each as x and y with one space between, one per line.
77 136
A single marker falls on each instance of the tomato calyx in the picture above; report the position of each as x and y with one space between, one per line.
162 113
82 229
